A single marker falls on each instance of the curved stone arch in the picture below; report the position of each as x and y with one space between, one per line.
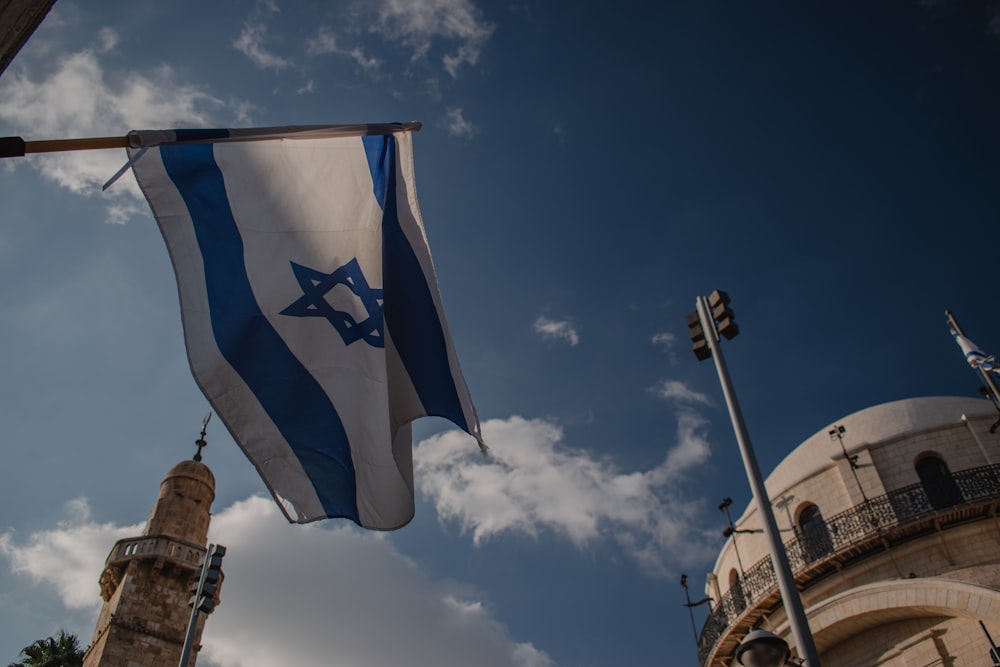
936 478
845 614
929 454
803 507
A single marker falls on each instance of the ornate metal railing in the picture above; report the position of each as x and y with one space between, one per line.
853 527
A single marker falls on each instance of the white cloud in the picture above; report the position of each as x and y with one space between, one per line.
558 329
532 481
69 557
108 38
418 23
664 339
251 40
325 41
76 100
674 390
369 606
458 126
251 44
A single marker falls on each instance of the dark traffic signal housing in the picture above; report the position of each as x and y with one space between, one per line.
722 319
205 589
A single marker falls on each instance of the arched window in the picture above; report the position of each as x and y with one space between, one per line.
939 485
815 535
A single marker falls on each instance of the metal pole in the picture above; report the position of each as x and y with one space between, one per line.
783 571
968 424
193 623
986 375
733 532
838 433
694 629
994 649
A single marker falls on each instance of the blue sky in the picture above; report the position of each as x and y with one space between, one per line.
584 171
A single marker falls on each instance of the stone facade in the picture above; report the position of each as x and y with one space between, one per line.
897 557
147 580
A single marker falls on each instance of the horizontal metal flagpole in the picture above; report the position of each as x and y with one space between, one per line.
18 147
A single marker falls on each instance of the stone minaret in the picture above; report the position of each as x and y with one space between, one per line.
147 580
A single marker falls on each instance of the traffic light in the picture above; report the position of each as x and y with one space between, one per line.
721 318
208 580
698 342
718 301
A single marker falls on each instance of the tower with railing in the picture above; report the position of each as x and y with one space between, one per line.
891 525
146 582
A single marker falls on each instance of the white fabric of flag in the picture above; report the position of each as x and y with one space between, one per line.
976 357
311 311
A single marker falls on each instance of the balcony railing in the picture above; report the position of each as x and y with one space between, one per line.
851 528
149 547
156 546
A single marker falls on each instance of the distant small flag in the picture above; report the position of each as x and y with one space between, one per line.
311 309
976 357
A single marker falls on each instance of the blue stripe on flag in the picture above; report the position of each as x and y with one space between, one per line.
289 394
200 135
410 313
375 150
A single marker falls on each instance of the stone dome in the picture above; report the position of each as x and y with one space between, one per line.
872 427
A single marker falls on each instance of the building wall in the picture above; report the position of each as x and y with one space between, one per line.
145 622
915 602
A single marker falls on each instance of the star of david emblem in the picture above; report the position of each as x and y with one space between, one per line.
313 303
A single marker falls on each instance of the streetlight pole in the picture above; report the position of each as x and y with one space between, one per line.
691 605
837 433
707 317
734 531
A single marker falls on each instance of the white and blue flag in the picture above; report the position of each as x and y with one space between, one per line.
311 309
976 357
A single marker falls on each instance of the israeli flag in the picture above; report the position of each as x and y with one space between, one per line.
976 357
311 311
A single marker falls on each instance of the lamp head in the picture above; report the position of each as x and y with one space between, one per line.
761 648
726 502
684 580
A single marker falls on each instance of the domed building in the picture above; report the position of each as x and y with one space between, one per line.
889 519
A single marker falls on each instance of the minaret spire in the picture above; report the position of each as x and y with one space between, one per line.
201 442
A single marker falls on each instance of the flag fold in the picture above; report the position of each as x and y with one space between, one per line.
311 312
976 357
